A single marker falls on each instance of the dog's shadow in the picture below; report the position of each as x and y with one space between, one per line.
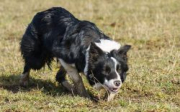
11 83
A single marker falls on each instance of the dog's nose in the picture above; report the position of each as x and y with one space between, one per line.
117 83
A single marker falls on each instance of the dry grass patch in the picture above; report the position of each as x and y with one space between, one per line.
151 27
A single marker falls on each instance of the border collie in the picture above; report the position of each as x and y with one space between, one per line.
79 46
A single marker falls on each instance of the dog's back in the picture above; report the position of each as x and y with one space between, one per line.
57 33
79 46
46 28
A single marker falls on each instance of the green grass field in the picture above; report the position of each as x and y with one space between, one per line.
152 27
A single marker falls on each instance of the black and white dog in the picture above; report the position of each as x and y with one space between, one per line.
79 46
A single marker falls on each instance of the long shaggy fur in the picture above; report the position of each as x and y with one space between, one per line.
51 33
80 47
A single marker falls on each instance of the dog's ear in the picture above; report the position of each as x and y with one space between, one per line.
94 52
123 51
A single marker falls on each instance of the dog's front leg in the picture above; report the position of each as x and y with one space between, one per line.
24 79
78 84
110 96
76 78
61 78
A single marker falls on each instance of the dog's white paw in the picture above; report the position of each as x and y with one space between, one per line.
110 96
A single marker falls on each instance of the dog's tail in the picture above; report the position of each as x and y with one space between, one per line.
32 49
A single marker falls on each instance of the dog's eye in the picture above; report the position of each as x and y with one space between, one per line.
118 67
107 69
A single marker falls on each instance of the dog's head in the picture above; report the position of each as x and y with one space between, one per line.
108 68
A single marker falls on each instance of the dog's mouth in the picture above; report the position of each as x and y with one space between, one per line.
112 89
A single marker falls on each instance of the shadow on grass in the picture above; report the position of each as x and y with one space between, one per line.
11 83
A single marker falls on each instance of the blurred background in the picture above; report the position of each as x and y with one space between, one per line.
152 27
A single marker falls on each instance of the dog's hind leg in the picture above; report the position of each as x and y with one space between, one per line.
76 78
24 79
61 78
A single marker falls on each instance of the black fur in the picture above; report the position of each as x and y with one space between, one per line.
101 64
56 33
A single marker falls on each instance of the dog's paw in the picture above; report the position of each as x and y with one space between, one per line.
109 96
67 86
24 81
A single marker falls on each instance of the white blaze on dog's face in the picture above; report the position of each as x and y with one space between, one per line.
112 79
108 68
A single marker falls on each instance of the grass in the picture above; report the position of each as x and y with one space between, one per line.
150 26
